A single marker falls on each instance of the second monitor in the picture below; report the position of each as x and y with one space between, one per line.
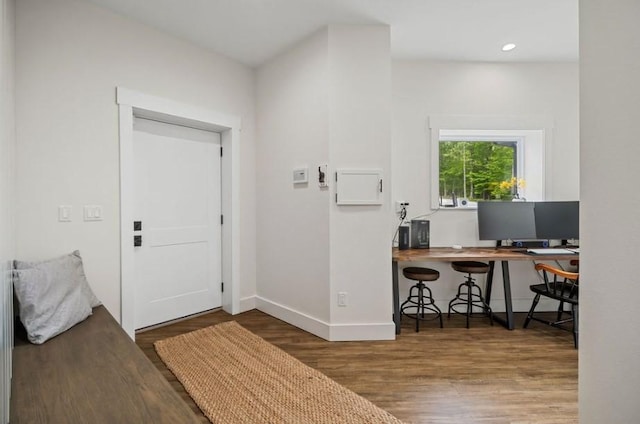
557 220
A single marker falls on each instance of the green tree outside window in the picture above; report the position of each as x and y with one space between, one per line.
478 170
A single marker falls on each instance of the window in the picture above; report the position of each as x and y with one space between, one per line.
477 158
479 168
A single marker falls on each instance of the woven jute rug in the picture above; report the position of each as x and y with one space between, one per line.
235 376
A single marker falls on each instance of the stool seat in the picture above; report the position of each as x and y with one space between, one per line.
470 267
420 274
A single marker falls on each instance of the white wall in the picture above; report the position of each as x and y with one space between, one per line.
7 233
327 100
610 230
293 220
422 88
360 137
70 57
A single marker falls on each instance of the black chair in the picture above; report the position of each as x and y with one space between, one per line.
468 298
562 287
416 304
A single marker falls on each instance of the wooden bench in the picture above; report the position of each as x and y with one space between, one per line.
92 373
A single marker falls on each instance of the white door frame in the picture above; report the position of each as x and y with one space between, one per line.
135 104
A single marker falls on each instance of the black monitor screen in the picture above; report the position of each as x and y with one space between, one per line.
506 221
557 220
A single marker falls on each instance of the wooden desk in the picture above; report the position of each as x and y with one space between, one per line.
490 254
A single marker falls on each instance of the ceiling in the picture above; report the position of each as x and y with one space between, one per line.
253 31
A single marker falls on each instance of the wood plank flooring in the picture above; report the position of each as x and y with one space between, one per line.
453 375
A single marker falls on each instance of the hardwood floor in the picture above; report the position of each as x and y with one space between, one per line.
453 375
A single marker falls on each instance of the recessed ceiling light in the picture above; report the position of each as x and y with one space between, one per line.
508 47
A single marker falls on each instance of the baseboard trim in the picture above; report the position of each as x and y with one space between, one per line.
293 317
330 332
361 332
247 304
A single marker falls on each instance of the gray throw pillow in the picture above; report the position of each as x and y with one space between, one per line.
49 302
67 267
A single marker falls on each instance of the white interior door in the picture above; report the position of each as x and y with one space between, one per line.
177 268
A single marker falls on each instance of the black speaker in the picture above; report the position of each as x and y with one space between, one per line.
530 243
419 234
403 237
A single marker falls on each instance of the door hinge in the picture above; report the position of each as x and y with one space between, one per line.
222 286
221 219
220 151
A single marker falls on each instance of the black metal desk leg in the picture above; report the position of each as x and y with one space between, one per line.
487 290
396 296
507 294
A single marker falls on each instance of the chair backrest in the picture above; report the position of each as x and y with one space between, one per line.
564 283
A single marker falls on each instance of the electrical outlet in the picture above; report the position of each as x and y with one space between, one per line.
342 298
401 204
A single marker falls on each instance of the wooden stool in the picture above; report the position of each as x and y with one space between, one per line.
420 301
469 298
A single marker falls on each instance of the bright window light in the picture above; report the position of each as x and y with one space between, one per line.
508 47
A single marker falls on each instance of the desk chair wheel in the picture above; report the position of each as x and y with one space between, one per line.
417 303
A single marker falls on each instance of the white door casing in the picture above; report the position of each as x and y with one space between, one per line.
177 267
135 104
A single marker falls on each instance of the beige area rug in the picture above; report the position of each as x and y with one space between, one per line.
235 376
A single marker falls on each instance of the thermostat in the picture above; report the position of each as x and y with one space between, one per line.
300 175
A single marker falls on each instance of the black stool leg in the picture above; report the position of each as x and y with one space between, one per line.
434 307
485 305
420 301
469 294
420 308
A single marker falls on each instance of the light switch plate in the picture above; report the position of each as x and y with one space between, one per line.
323 175
93 212
65 213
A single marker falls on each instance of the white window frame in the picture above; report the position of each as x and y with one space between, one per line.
531 132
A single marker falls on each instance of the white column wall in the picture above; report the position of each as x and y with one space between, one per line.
610 229
325 101
70 57
360 137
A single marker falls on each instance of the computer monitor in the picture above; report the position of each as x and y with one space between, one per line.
506 221
557 220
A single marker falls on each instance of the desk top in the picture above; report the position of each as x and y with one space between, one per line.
449 254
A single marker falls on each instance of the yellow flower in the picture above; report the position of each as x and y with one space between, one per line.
513 182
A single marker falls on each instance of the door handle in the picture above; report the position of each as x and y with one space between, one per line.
137 241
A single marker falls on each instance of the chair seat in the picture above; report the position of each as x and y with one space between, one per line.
420 274
563 295
471 267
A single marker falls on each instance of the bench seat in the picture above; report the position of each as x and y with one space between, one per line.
92 373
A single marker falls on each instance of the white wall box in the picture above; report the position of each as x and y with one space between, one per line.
359 186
